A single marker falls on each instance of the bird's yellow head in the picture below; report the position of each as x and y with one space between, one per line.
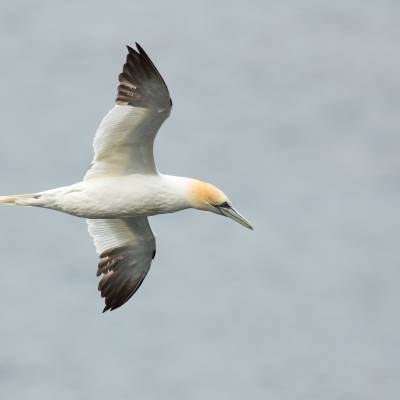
207 197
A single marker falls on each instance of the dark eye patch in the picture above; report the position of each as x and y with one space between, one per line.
224 205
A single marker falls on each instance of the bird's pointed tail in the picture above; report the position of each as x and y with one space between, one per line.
20 199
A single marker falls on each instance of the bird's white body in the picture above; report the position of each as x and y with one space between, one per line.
118 197
123 186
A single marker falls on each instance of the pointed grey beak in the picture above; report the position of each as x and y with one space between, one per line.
235 215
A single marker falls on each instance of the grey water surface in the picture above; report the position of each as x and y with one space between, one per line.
292 108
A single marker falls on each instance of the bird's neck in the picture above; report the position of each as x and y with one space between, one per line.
185 190
193 192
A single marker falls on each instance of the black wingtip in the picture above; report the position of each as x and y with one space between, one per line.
139 47
138 50
134 88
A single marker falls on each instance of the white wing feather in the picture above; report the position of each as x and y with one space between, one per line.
124 142
112 233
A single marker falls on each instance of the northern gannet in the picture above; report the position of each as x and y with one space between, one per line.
123 186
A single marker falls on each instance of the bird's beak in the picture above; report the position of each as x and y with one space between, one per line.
235 215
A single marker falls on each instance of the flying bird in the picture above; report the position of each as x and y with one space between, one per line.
123 187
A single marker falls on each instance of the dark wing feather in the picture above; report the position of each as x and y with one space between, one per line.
122 274
141 85
127 248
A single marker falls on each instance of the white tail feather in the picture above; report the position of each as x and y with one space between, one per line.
18 199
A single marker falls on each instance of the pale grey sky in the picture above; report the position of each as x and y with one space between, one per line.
292 109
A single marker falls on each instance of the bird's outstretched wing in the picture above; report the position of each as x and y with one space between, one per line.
126 248
124 140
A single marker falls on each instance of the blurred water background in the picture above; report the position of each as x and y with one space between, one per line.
292 108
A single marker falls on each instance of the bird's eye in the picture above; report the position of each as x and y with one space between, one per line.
224 205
